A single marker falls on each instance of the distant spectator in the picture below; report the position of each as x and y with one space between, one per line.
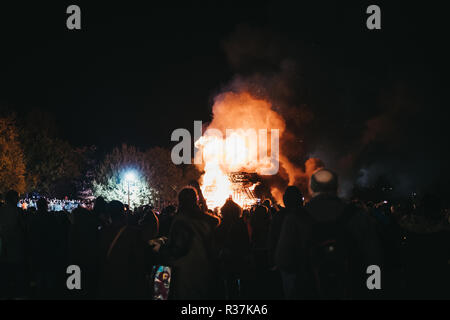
122 263
12 250
83 250
45 246
233 246
189 249
165 220
324 251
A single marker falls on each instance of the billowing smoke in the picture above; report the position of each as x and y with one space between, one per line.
361 127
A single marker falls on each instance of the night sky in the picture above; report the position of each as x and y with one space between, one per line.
136 72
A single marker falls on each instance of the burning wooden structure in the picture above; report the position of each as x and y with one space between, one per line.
243 185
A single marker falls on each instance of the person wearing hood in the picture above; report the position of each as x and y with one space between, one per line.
189 249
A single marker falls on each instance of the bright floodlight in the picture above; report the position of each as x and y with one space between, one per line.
130 176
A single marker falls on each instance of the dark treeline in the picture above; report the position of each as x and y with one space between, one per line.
37 161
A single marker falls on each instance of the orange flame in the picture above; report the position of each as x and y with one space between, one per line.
233 143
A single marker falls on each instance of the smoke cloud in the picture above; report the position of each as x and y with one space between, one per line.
337 116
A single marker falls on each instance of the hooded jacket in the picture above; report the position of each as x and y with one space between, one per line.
190 254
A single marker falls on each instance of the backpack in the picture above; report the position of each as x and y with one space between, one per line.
331 258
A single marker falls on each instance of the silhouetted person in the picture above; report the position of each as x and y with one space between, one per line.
165 220
149 229
259 277
201 199
45 247
427 251
189 249
12 251
83 250
122 263
293 204
267 203
260 223
149 225
233 246
100 211
325 252
246 219
390 235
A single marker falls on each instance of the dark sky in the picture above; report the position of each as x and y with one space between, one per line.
136 72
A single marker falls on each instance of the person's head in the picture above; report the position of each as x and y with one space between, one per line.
201 199
267 203
187 198
80 214
293 197
323 181
115 210
100 204
261 213
12 197
42 205
230 210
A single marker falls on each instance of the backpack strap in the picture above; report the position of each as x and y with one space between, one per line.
113 243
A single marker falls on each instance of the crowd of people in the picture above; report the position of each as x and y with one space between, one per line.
315 250
53 204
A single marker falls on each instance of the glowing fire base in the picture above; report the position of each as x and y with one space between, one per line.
241 191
